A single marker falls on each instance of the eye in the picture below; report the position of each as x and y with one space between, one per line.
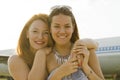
56 26
45 33
34 31
67 26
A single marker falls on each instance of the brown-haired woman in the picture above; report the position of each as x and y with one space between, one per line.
70 60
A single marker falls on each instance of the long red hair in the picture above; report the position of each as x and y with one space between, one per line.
23 47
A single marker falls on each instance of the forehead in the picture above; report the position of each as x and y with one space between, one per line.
38 24
61 18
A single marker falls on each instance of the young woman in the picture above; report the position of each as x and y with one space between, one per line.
34 36
70 59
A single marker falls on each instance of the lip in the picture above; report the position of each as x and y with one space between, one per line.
39 42
62 36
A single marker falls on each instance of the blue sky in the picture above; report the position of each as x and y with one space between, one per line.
95 18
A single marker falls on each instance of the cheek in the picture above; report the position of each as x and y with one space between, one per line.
31 37
53 32
31 42
70 31
46 39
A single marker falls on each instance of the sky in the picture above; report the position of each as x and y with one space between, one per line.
95 18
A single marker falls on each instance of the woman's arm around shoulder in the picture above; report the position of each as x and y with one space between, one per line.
18 69
90 43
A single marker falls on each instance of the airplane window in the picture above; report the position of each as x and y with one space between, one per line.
108 49
119 47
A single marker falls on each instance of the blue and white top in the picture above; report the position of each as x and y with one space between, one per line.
79 75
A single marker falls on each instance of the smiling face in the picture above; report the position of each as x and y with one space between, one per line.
38 35
61 29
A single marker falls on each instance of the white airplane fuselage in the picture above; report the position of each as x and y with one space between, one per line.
108 53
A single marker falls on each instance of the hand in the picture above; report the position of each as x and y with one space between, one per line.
46 50
82 52
69 67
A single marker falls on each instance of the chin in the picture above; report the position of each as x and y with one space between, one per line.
39 46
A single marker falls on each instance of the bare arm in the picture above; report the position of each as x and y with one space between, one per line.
93 62
38 70
20 71
18 68
58 74
90 63
90 43
95 65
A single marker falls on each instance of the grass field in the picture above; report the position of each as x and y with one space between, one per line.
3 79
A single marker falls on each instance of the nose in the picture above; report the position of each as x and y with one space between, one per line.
62 30
40 36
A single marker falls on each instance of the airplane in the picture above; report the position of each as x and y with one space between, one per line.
108 53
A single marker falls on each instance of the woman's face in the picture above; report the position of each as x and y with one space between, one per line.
61 29
38 34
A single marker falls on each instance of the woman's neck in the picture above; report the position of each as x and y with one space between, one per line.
63 50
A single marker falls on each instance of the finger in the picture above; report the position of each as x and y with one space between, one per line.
80 64
80 59
79 47
79 56
82 51
75 67
72 59
48 50
80 42
75 70
75 63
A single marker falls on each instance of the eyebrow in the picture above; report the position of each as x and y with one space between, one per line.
59 24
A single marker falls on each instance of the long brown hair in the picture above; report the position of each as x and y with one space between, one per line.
65 10
23 47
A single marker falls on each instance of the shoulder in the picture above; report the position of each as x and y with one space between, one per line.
15 60
91 43
17 68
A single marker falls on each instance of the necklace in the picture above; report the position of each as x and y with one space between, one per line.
60 59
